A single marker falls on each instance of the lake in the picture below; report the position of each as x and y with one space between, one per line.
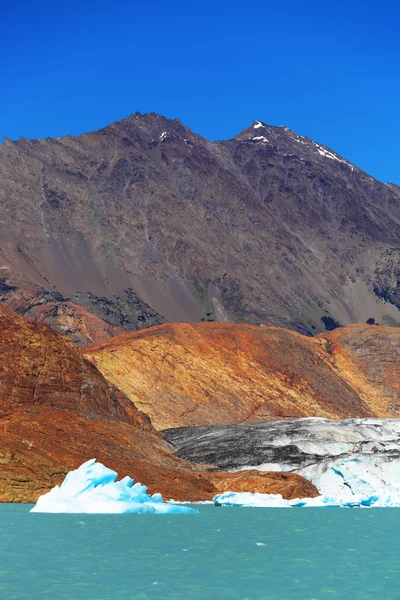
223 553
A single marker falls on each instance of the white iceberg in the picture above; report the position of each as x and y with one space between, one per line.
250 500
246 499
360 481
93 489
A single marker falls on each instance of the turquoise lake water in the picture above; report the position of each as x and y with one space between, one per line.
223 553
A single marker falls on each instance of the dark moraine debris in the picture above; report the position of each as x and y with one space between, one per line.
285 445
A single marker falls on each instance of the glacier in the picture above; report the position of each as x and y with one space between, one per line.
359 481
352 462
93 489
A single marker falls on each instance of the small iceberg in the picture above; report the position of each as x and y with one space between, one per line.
93 489
250 500
247 499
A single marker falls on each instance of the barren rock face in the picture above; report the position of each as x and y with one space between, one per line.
144 222
69 318
57 410
368 358
85 318
289 485
207 374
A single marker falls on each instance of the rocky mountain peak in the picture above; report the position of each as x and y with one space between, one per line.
288 143
151 128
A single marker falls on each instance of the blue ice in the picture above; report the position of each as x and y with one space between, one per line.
93 489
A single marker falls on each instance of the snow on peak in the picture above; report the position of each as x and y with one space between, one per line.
260 138
257 125
328 154
163 135
295 136
325 152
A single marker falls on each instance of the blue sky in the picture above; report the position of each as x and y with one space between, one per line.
324 69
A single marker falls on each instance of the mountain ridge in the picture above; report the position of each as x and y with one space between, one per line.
272 228
256 123
7 140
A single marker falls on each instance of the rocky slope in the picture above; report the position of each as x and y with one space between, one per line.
57 410
144 221
368 358
69 318
216 373
84 317
289 485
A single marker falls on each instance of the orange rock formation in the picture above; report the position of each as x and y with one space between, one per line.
221 373
368 358
289 485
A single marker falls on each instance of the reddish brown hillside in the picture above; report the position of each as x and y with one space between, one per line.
57 410
209 373
289 485
368 358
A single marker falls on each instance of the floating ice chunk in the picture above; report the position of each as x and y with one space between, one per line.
93 489
246 499
249 499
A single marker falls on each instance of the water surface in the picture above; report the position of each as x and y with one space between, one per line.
221 554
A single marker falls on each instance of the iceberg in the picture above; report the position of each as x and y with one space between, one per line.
360 481
93 489
251 500
248 500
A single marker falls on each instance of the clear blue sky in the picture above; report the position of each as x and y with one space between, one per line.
324 69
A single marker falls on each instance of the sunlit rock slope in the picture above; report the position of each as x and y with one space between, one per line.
215 373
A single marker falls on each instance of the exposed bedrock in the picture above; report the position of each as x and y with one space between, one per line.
182 375
289 485
57 410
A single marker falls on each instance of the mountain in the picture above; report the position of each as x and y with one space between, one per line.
183 375
145 222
